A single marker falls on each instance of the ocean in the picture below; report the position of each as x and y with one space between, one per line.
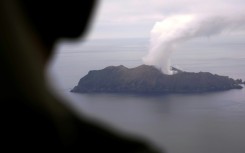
179 123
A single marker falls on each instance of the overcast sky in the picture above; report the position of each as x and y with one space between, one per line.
135 18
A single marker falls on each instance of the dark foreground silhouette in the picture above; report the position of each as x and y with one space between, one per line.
32 118
149 80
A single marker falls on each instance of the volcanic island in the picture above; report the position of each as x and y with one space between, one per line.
146 79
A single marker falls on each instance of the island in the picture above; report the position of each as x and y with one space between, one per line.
148 79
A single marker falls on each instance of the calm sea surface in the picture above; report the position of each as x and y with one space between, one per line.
180 123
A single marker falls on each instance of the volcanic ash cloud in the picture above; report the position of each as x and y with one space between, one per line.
173 30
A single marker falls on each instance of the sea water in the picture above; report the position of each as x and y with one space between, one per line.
179 123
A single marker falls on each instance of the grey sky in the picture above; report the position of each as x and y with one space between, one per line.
135 18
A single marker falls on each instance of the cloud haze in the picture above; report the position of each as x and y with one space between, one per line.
135 18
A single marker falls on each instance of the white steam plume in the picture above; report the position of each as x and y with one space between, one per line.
166 34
